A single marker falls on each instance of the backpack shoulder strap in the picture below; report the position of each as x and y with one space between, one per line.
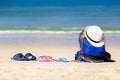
82 35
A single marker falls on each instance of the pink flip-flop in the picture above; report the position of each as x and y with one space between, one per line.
45 59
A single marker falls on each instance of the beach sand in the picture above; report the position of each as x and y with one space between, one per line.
34 70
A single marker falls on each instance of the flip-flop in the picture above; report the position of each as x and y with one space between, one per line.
77 61
45 59
30 57
74 61
19 57
62 60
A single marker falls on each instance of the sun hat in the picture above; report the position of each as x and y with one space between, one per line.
94 35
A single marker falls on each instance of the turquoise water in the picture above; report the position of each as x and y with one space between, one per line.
57 13
76 16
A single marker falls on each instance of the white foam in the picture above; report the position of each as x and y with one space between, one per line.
111 31
45 32
37 31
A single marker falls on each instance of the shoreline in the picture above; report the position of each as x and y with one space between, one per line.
51 32
46 37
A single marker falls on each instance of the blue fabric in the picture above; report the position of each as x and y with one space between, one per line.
77 56
87 48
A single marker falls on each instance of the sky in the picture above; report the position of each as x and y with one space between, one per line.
58 2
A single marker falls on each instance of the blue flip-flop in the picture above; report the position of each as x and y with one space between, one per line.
30 57
62 60
19 57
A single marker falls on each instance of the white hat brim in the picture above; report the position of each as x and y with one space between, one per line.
95 44
99 44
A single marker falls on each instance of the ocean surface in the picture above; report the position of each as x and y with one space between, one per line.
45 16
69 16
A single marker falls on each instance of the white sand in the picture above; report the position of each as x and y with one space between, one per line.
34 70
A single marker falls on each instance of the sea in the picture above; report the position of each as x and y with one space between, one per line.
60 16
57 16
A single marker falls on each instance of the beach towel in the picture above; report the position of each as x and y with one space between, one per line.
105 57
46 59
